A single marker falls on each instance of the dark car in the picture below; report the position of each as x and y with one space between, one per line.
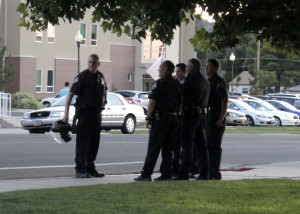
284 106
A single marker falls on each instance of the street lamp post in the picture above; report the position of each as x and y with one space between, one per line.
78 39
232 58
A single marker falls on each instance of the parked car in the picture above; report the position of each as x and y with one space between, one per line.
281 118
135 97
235 117
254 117
284 106
284 95
118 114
294 101
47 102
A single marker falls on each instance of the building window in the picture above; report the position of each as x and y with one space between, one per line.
147 82
129 77
245 90
153 49
38 36
83 33
51 33
50 81
94 35
38 81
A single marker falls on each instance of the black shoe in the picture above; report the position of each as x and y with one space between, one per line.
163 178
96 174
202 178
142 178
82 175
181 178
215 176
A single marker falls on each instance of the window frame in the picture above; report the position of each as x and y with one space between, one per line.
94 40
41 89
51 36
36 36
83 42
53 77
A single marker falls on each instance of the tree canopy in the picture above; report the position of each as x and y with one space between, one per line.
276 21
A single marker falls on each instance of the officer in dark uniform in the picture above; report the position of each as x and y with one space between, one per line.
217 107
193 129
180 76
91 90
163 108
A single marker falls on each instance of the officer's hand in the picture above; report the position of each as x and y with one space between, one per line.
220 123
148 124
65 118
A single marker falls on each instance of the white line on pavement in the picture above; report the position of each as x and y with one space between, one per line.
66 166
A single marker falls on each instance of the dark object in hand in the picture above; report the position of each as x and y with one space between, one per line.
63 128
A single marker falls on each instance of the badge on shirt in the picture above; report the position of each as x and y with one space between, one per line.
221 85
76 79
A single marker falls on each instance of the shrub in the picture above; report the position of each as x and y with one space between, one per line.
25 101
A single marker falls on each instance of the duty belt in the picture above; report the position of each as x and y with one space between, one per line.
197 110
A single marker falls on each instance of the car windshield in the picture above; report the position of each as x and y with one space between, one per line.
242 105
268 106
62 101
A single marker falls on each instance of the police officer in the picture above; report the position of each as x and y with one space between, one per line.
180 76
91 90
163 107
195 97
217 107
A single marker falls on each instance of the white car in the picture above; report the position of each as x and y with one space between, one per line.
254 117
281 118
47 102
234 117
118 114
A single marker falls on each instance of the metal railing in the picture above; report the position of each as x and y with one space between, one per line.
5 104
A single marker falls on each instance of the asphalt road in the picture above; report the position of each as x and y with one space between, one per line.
39 156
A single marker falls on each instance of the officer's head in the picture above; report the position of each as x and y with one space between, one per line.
212 67
193 65
93 62
180 71
166 68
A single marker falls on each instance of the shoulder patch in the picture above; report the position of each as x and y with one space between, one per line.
76 80
154 86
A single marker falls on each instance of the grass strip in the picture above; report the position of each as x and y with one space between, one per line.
234 197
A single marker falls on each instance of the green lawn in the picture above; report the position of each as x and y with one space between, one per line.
244 196
238 130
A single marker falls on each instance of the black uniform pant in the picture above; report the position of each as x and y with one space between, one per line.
214 140
87 139
177 150
193 132
162 137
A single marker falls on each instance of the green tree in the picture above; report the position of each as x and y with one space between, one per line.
7 70
277 21
266 80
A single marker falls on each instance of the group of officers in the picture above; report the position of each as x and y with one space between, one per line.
186 118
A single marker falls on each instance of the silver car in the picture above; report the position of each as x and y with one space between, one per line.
118 114
235 118
135 97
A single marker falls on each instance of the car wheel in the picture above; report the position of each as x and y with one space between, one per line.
277 121
250 121
37 131
129 125
47 104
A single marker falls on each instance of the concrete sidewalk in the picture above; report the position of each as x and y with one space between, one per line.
288 170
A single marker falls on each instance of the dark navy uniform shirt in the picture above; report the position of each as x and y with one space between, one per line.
167 94
218 91
195 90
90 88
